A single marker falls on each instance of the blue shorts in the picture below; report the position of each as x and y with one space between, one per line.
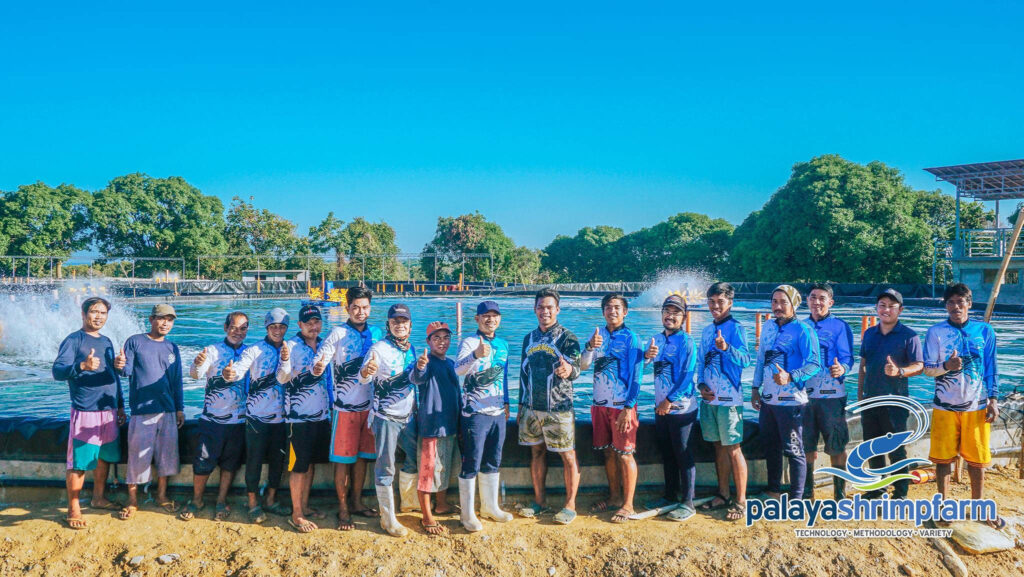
221 446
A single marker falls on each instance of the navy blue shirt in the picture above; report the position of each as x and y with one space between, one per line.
154 376
440 398
98 390
902 344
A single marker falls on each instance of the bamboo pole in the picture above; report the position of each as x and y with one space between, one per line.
1014 237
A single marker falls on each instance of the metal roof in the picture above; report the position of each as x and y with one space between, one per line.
985 180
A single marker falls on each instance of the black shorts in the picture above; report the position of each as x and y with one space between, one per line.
308 443
221 446
826 418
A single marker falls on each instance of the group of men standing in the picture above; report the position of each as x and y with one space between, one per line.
361 393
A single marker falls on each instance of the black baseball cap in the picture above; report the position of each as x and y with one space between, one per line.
891 293
309 312
399 310
487 307
674 301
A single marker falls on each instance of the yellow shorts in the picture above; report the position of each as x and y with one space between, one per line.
960 433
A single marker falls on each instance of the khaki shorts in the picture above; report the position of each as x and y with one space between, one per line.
556 430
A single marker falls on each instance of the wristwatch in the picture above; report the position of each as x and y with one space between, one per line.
902 373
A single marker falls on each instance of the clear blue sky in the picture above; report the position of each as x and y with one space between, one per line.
545 116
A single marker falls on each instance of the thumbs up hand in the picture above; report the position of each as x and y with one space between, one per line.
596 340
229 373
421 363
200 358
91 362
781 376
286 351
562 368
319 366
890 367
652 350
955 362
482 350
370 367
120 360
720 343
836 370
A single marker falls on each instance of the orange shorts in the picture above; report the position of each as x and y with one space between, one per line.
351 439
963 433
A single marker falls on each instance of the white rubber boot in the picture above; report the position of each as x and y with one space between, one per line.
407 491
467 499
386 504
489 506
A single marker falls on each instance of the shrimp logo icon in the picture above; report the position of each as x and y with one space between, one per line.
866 479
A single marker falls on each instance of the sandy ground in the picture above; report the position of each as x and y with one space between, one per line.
34 541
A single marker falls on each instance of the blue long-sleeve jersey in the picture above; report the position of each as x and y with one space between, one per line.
835 342
794 347
722 371
617 366
674 368
978 380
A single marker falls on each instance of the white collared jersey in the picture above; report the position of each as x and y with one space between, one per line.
307 398
265 399
394 395
223 401
347 348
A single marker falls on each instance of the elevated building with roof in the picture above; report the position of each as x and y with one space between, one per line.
975 255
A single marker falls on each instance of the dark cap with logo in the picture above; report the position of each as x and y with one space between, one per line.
891 293
399 311
308 313
675 301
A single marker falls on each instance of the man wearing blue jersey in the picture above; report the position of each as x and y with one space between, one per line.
787 358
825 415
614 351
675 405
960 354
721 357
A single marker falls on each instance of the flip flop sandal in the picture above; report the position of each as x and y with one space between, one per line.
682 513
345 523
534 509
439 529
736 512
127 512
368 512
256 515
279 510
306 527
110 506
76 523
565 516
223 512
169 506
1000 523
190 511
709 506
620 517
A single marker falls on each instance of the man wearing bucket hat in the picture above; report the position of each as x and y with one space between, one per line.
674 355
388 365
483 361
155 396
787 357
437 419
266 435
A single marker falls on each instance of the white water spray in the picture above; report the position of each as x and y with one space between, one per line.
688 283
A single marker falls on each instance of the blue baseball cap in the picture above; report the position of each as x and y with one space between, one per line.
487 307
399 311
276 316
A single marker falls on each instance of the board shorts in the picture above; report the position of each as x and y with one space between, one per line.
557 430
435 463
826 418
307 444
963 433
606 434
721 423
93 435
351 437
152 439
220 445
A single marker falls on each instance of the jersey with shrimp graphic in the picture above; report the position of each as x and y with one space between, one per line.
722 371
966 389
674 368
394 395
485 387
835 341
349 347
617 365
223 401
265 399
794 348
307 397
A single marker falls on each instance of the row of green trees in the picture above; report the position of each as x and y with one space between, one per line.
834 219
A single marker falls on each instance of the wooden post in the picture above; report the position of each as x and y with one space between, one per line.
1014 237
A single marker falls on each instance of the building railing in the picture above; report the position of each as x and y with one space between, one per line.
987 243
